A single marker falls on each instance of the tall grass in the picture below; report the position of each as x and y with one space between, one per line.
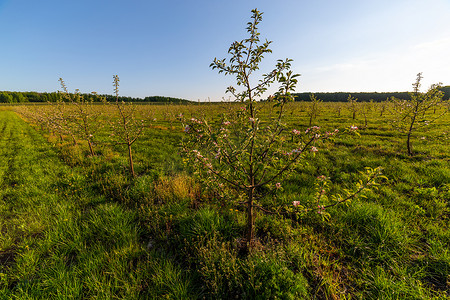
78 226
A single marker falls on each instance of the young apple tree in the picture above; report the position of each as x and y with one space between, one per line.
418 112
81 117
313 108
245 155
352 105
126 128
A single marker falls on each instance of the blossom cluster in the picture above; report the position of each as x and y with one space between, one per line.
320 208
330 134
294 151
203 160
312 129
194 120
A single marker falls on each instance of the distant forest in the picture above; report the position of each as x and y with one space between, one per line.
362 97
23 97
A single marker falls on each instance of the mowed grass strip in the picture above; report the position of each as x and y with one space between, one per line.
61 240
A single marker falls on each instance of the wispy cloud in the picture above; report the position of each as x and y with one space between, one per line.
386 71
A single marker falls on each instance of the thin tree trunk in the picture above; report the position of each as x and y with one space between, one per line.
250 214
408 140
250 218
90 148
130 156
408 144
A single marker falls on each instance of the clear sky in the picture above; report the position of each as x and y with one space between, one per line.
165 47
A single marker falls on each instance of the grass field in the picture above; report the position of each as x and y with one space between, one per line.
76 226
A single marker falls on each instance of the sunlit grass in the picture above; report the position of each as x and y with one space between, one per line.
78 226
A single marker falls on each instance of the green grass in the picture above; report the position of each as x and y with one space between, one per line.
61 239
79 227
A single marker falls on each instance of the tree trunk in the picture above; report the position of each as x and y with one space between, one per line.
74 139
408 143
411 127
130 156
250 234
90 148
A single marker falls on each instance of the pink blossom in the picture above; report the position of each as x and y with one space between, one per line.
278 185
314 149
321 208
226 123
251 120
353 128
295 131
296 203
199 155
296 151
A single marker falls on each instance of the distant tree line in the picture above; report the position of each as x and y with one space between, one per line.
163 99
23 97
362 97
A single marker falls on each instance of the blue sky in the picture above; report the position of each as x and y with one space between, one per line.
165 47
